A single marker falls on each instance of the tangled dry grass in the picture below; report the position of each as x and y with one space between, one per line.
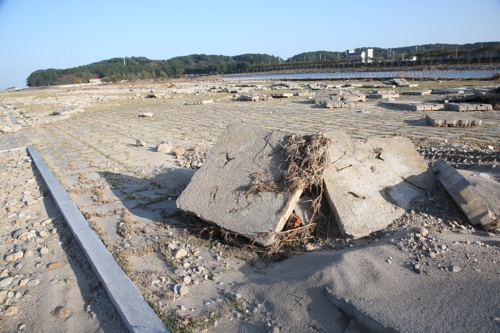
305 163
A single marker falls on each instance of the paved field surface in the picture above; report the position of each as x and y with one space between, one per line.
127 191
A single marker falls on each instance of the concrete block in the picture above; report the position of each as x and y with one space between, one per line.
463 193
371 183
461 107
252 98
416 93
452 119
461 97
282 95
244 156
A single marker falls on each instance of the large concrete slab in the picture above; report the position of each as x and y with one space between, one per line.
468 107
452 119
371 183
245 155
464 194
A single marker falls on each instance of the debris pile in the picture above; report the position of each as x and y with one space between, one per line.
269 185
338 98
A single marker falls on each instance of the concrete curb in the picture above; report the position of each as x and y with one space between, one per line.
132 307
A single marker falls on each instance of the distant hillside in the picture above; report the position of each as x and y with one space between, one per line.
134 68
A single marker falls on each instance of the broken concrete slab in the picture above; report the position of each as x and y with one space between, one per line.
252 98
371 183
416 92
380 96
463 193
244 156
453 91
413 106
200 102
461 97
282 95
338 98
468 107
400 83
452 119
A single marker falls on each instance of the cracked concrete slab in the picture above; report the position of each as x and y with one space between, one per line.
245 155
371 183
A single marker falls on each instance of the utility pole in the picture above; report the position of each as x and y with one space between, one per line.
124 62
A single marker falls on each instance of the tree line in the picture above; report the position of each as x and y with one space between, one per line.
137 68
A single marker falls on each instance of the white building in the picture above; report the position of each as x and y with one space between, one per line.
364 56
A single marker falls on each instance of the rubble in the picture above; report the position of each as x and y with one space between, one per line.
338 98
400 83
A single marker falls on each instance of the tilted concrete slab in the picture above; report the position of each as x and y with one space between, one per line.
463 193
244 155
371 183
452 119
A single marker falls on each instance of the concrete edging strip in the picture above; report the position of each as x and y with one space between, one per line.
132 307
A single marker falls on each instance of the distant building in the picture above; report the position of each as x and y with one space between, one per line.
95 80
364 56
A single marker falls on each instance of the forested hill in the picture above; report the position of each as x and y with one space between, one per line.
133 68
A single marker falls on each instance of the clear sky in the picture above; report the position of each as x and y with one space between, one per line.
41 34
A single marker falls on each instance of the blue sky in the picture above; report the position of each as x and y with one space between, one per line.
36 34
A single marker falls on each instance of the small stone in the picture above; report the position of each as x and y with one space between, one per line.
182 308
186 280
5 282
163 148
43 234
54 265
140 143
3 295
11 310
455 269
14 256
423 231
255 310
44 250
181 289
23 282
22 326
33 283
180 253
180 271
61 312
69 280
19 232
18 266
